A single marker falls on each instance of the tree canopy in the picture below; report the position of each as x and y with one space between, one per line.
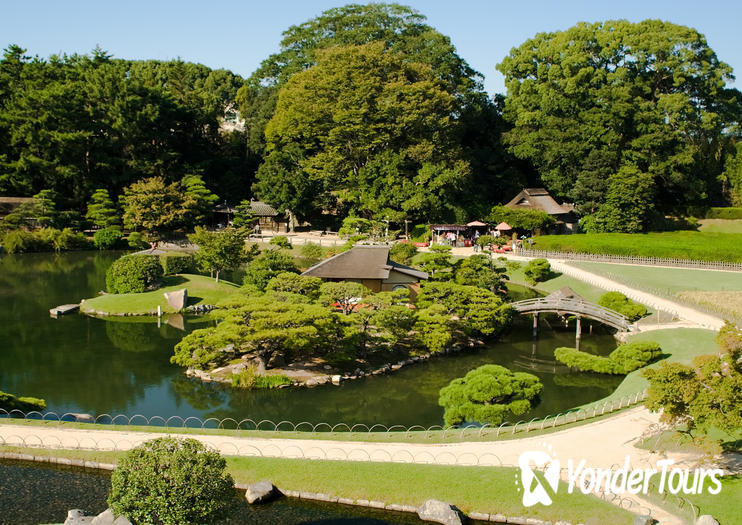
645 100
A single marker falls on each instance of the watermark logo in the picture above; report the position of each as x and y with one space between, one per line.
540 472
539 476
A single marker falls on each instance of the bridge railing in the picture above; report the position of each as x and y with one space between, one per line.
573 306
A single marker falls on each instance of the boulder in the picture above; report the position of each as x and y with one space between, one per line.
336 379
706 519
440 512
107 518
643 520
177 299
77 517
261 492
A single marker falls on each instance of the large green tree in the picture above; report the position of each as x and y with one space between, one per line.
646 100
376 132
220 250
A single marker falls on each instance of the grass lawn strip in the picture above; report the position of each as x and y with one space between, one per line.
665 281
201 290
689 245
473 489
720 225
728 304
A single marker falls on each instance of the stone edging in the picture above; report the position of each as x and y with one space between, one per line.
481 516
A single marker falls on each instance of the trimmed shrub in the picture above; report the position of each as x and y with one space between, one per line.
402 252
537 270
618 302
624 359
724 213
489 394
177 262
268 265
171 481
62 240
421 233
107 238
583 361
133 274
632 356
281 241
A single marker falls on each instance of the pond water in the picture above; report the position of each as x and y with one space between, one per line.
82 364
24 485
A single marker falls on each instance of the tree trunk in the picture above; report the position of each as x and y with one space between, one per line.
217 276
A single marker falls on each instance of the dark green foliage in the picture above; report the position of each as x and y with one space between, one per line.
402 252
171 481
725 213
344 295
44 239
489 394
107 238
437 262
624 359
281 241
521 220
288 282
176 262
618 302
627 120
74 124
133 274
421 233
479 270
268 265
198 201
537 270
10 402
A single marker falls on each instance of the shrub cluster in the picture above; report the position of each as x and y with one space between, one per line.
618 302
402 252
177 262
133 274
250 378
624 359
44 239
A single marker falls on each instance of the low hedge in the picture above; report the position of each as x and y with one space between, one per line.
624 359
177 262
724 213
133 274
618 302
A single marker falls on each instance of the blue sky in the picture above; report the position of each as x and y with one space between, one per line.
237 35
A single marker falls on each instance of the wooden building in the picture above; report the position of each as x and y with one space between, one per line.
370 266
539 199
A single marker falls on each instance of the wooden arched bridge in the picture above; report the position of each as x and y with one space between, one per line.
566 302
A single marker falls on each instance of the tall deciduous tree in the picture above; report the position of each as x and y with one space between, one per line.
153 206
596 99
376 132
220 250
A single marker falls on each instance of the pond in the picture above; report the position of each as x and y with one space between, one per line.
87 365
36 493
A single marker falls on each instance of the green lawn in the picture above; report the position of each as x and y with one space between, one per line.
669 281
480 489
707 246
588 291
201 290
720 226
683 345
